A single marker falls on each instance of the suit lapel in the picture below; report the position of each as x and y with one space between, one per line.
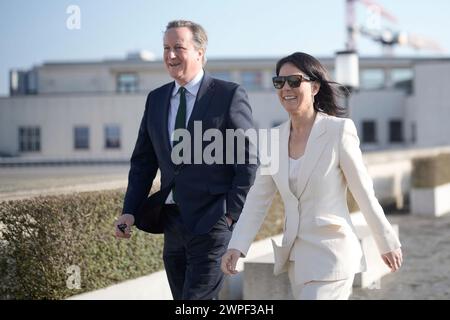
165 117
314 148
204 95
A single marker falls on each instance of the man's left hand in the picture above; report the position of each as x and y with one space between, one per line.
229 220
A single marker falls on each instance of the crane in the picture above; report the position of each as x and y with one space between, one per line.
388 38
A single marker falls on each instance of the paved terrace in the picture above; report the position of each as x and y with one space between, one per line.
425 273
25 182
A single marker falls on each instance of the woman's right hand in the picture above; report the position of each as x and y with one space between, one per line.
393 259
229 261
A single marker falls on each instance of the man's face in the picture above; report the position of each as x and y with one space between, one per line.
183 61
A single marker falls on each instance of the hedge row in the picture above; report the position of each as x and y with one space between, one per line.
41 238
431 172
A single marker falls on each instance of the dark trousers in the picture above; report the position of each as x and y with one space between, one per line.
192 262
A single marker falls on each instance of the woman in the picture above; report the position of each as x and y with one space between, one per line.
319 157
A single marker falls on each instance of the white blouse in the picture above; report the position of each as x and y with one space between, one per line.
294 171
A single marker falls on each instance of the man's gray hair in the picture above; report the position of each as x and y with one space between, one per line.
198 33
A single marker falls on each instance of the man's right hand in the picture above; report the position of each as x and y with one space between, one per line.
127 219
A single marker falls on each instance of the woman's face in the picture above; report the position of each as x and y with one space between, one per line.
296 100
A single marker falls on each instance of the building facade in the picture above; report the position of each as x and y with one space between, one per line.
92 110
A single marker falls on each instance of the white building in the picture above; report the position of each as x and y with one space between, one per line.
92 110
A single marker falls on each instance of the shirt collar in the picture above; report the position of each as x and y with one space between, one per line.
192 86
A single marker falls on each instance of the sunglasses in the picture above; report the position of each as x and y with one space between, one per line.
293 81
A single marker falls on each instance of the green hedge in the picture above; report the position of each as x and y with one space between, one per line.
41 238
431 172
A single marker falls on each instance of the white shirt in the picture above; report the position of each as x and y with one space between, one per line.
294 171
192 88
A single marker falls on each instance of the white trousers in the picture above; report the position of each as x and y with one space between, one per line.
320 290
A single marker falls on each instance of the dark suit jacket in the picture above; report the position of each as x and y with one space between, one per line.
204 192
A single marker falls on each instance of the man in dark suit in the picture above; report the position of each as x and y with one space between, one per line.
201 201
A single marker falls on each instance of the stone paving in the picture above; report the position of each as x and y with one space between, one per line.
425 273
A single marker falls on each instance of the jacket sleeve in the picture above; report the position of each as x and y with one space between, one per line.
143 168
361 186
255 209
240 119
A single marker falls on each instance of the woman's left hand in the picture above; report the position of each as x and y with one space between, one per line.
393 259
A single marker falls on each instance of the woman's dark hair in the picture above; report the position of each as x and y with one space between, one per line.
325 99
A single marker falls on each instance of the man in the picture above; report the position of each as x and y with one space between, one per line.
203 201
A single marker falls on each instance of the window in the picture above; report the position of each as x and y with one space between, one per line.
395 131
112 137
332 73
401 74
32 82
413 132
251 80
127 83
402 78
372 79
222 75
29 139
369 131
277 123
81 135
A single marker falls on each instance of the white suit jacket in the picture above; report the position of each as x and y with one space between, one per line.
317 225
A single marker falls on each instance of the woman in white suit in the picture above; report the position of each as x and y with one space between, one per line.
319 156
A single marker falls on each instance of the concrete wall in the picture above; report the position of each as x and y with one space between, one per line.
430 104
391 172
57 116
267 109
381 106
102 77
151 80
84 78
431 202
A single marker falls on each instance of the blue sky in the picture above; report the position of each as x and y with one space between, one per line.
32 32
